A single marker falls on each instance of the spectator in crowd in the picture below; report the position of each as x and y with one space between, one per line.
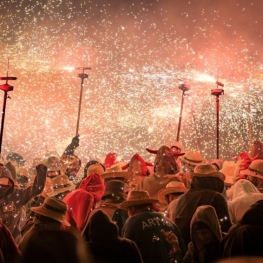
205 236
206 187
13 199
158 238
104 242
81 201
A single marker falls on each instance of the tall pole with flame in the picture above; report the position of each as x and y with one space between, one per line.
217 92
82 76
5 87
184 87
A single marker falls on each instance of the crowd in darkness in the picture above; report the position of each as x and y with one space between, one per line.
181 208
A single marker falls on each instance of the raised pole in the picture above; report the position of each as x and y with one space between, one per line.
82 76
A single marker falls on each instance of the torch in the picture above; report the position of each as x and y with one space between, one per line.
217 92
184 87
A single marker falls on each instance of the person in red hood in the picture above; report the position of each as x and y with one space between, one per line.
81 201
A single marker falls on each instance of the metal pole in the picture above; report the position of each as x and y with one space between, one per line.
217 127
82 76
3 120
80 100
217 92
180 118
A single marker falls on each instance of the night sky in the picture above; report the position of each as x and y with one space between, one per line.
139 52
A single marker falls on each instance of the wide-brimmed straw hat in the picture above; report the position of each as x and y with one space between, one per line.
206 170
136 197
228 170
255 169
60 184
173 187
115 171
53 208
193 158
95 169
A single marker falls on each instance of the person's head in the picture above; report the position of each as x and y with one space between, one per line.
61 185
73 165
138 200
204 233
93 166
54 166
115 172
15 159
6 182
172 191
54 246
176 148
115 190
190 160
165 161
52 208
254 172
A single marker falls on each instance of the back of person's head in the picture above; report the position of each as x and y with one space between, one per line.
55 246
244 241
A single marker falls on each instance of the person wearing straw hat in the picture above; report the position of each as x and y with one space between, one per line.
115 172
188 162
61 186
207 185
168 197
114 194
165 169
157 237
254 173
51 215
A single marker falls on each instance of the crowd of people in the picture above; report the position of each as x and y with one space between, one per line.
181 208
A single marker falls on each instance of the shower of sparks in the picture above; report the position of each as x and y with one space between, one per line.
137 51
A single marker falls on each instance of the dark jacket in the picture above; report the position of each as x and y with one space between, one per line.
243 239
203 191
105 244
145 229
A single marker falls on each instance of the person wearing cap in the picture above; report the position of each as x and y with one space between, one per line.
254 174
13 199
168 197
157 237
207 185
81 201
165 170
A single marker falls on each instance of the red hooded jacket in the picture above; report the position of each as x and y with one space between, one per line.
81 201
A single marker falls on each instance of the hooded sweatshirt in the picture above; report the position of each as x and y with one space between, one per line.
81 201
13 199
244 195
252 217
203 191
198 251
104 242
